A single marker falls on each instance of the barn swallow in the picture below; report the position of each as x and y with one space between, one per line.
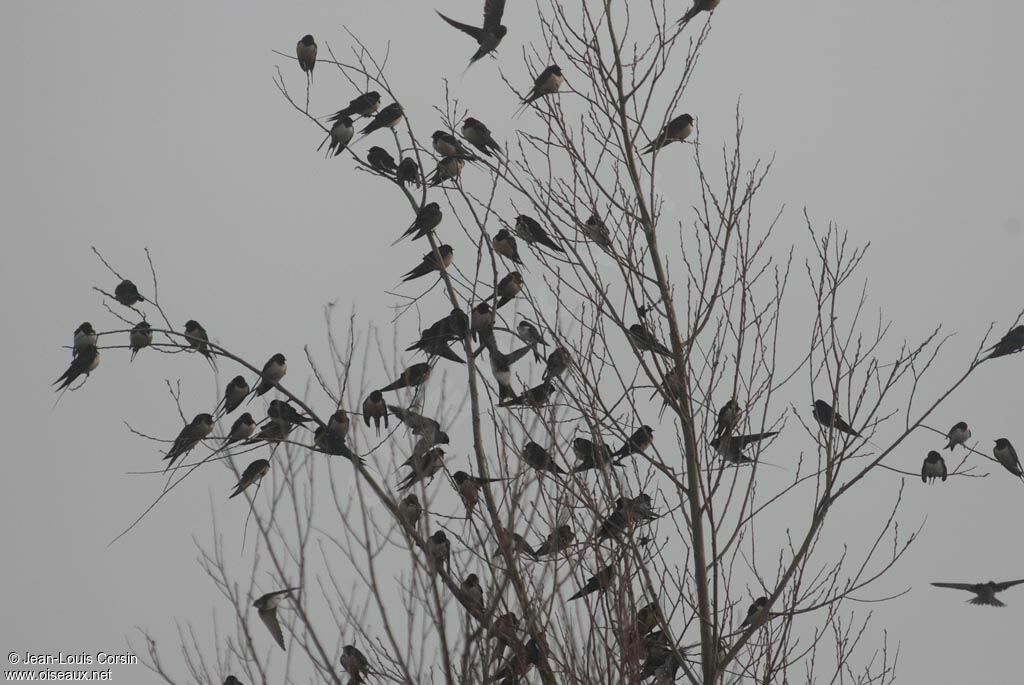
473 593
425 428
450 329
266 606
986 592
730 447
273 371
190 436
1009 344
447 168
447 145
560 538
647 618
277 425
439 551
602 580
141 336
535 397
283 412
505 245
305 50
826 416
361 106
468 488
381 160
657 652
242 429
198 340
508 287
539 458
127 294
728 417
487 37
428 217
339 423
430 262
85 336
414 376
84 362
504 629
232 680
645 341
698 7
679 129
558 363
673 385
253 473
375 408
424 467
235 392
628 512
519 663
333 443
529 334
958 435
934 466
516 544
595 229
591 456
355 665
1007 456
410 509
389 117
639 441
340 136
437 347
479 136
532 232
757 614
546 83
482 320
501 366
408 172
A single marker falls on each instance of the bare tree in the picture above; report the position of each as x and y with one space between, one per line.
600 479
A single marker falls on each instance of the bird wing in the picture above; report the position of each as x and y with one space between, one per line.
465 28
1007 584
744 440
493 9
269 617
970 587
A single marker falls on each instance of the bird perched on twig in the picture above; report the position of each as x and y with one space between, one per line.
198 340
439 551
381 160
1010 343
547 82
127 294
375 409
424 467
479 136
505 245
305 51
640 440
191 435
1006 455
340 135
234 394
645 341
958 435
468 488
412 377
508 287
360 106
408 172
934 466
757 614
410 509
273 371
141 336
730 447
539 458
827 417
677 130
728 417
84 362
253 473
431 262
242 429
591 456
532 233
600 581
985 592
559 539
428 217
389 117
355 664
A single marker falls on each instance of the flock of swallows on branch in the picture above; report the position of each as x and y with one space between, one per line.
427 457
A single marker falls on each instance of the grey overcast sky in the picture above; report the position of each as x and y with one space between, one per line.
130 124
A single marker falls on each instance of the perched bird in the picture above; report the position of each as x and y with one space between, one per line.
535 397
381 160
489 36
424 467
428 217
361 106
447 145
501 366
140 336
191 435
678 129
305 50
408 172
439 551
934 466
645 341
595 230
389 117
728 417
414 376
468 488
355 665
958 435
479 136
447 168
658 655
504 629
985 592
533 233
253 473
559 539
519 663
558 363
84 362
508 287
451 328
340 135
198 340
639 441
242 429
757 614
278 424
235 392
333 442
698 7
410 509
826 416
546 83
482 320
673 385
273 371
516 545
85 336
375 409
266 606
539 458
529 334
338 423
425 428
628 512
505 245
473 593
232 680
591 456
647 618
1009 344
730 447
602 580
127 294
1007 456
431 262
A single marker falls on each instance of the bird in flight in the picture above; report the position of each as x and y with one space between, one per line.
266 606
985 592
489 36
